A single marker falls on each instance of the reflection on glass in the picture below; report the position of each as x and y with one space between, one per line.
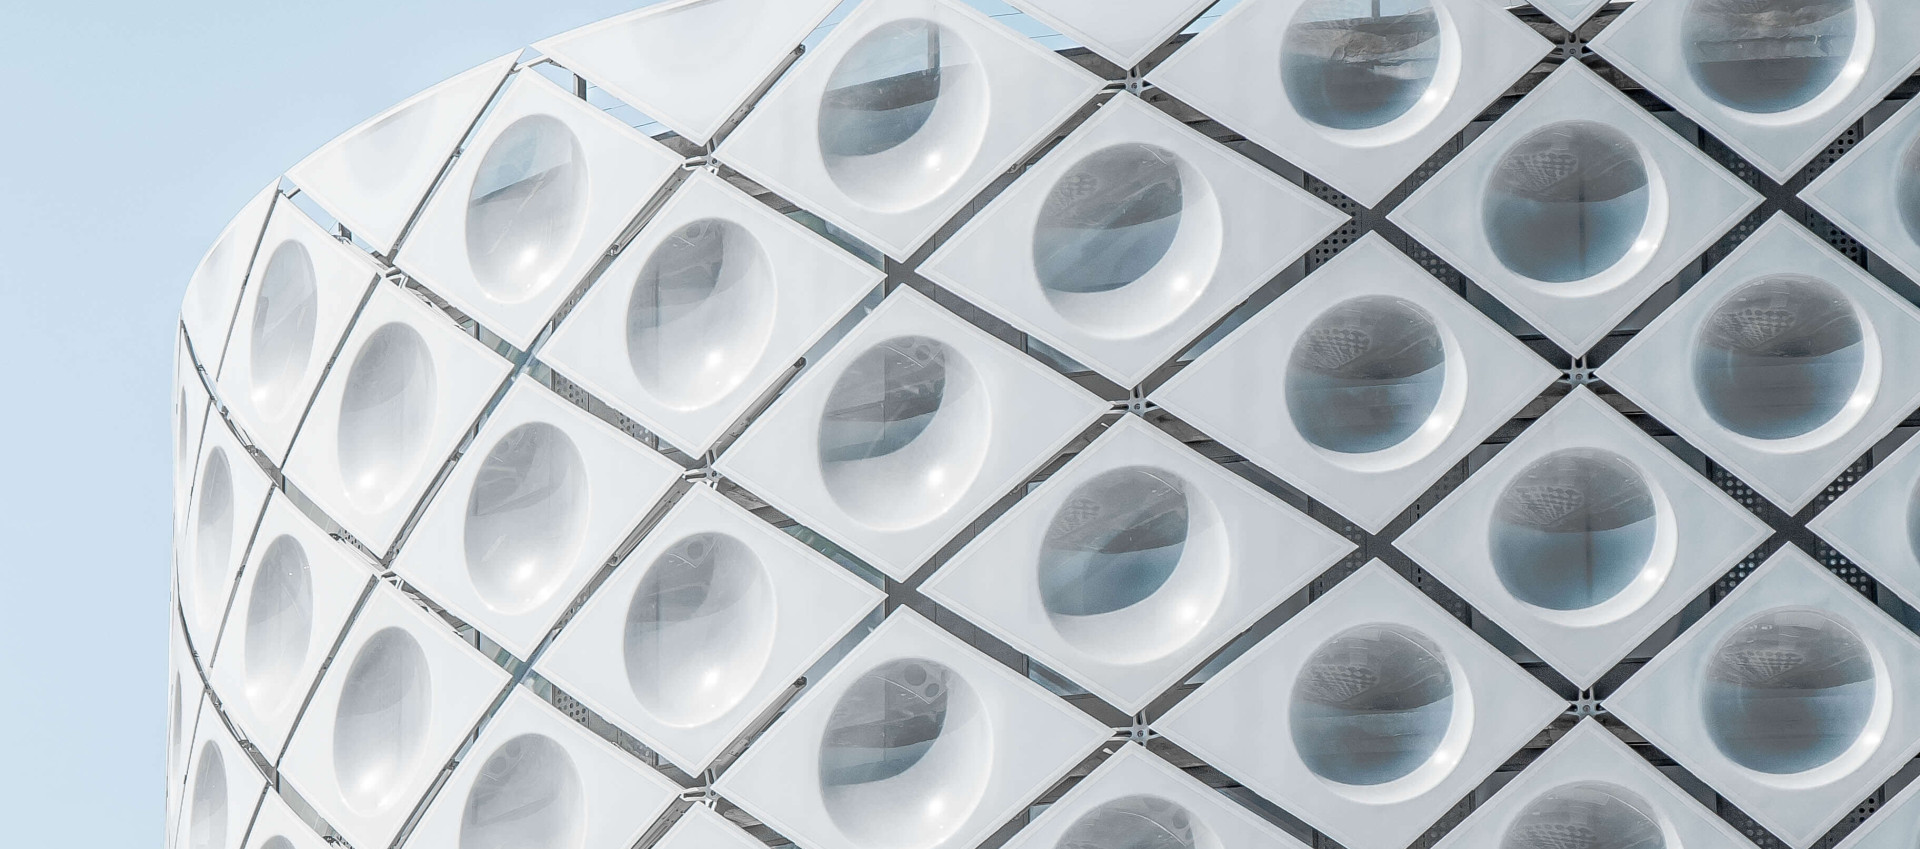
381 720
283 325
1567 202
1585 816
1356 64
1779 357
1788 692
903 760
885 399
697 319
528 794
526 208
524 517
279 624
698 629
1134 822
386 415
1109 220
884 91
1767 55
1366 375
1573 530
1371 706
1115 542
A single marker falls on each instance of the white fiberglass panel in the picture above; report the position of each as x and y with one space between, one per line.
709 619
1368 715
213 293
192 408
703 828
1124 32
229 492
1874 191
277 827
222 789
1892 827
1136 800
1133 563
1790 698
1876 523
913 740
539 501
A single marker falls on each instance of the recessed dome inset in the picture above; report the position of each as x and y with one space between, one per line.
207 826
284 314
1779 357
277 842
1128 570
903 432
700 313
1585 816
380 724
386 415
1358 64
1371 706
906 755
525 517
1907 189
180 431
279 624
213 533
1115 249
1137 822
528 793
903 114
526 209
699 629
1766 56
1573 530
1365 376
1567 202
1788 692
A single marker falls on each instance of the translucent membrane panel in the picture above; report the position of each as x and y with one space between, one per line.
1913 521
1788 692
902 115
1366 375
382 717
1371 706
213 533
1357 64
905 756
699 629
1106 226
386 415
526 209
1907 189
207 818
1779 357
387 151
903 432
700 313
1767 55
528 794
279 625
283 319
525 516
1585 816
1567 202
175 722
180 432
1573 530
1108 564
1137 822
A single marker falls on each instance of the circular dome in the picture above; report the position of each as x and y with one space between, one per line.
699 629
386 416
207 819
1913 521
1115 249
525 517
903 115
279 624
282 339
1366 376
1359 64
213 533
1766 56
1585 816
526 209
180 431
381 720
700 313
1779 357
1907 190
1371 706
905 756
1138 822
903 432
176 723
1573 530
277 842
528 794
1131 567
1788 692
1567 202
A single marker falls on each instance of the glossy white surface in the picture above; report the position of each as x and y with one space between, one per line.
1892 827
213 293
1136 800
1874 191
222 790
1124 31
228 495
276 827
1876 523
701 828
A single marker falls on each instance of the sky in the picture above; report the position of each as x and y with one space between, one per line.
133 132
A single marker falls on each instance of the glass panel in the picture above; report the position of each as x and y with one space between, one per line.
1136 822
1567 202
1779 357
386 415
1767 55
526 209
525 515
1372 706
1585 816
381 720
527 794
283 325
1788 692
279 625
1366 375
1356 64
699 629
1573 530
